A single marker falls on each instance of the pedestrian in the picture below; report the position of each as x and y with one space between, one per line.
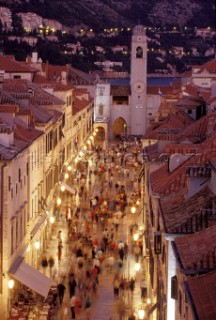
125 250
72 285
51 264
137 253
87 307
60 246
143 288
61 290
72 305
59 238
116 285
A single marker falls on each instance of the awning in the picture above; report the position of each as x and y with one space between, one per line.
67 187
38 225
30 277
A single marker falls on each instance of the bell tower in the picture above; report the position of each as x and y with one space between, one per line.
138 81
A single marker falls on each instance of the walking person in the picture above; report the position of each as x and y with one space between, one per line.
60 246
116 285
72 305
61 290
143 288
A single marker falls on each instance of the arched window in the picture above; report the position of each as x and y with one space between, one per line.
101 109
139 52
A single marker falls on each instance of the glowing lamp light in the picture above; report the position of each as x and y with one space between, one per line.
148 301
62 188
52 220
91 137
136 236
137 266
141 314
133 210
96 130
94 134
81 153
85 147
10 284
76 160
69 168
89 142
137 203
59 201
66 176
37 245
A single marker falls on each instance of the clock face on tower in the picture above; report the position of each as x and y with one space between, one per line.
138 86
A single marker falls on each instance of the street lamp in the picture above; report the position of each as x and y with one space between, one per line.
69 168
10 284
66 176
133 210
52 220
141 314
58 201
37 245
62 188
137 266
136 236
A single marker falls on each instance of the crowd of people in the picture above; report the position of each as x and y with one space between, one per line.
106 186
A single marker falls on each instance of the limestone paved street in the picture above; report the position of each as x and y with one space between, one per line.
104 306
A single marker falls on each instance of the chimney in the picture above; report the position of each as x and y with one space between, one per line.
34 57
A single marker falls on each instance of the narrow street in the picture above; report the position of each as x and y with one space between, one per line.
104 306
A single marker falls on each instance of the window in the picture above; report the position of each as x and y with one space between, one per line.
180 302
9 183
174 288
19 175
189 111
12 239
27 169
139 52
16 77
101 110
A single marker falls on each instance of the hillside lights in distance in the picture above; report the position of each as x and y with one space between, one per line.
10 284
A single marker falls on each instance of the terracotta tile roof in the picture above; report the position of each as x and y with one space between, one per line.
170 127
53 73
9 65
79 104
24 89
9 108
197 252
41 114
28 135
210 66
11 152
170 182
188 216
56 85
203 292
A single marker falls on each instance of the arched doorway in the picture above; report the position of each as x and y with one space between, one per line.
100 136
119 128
